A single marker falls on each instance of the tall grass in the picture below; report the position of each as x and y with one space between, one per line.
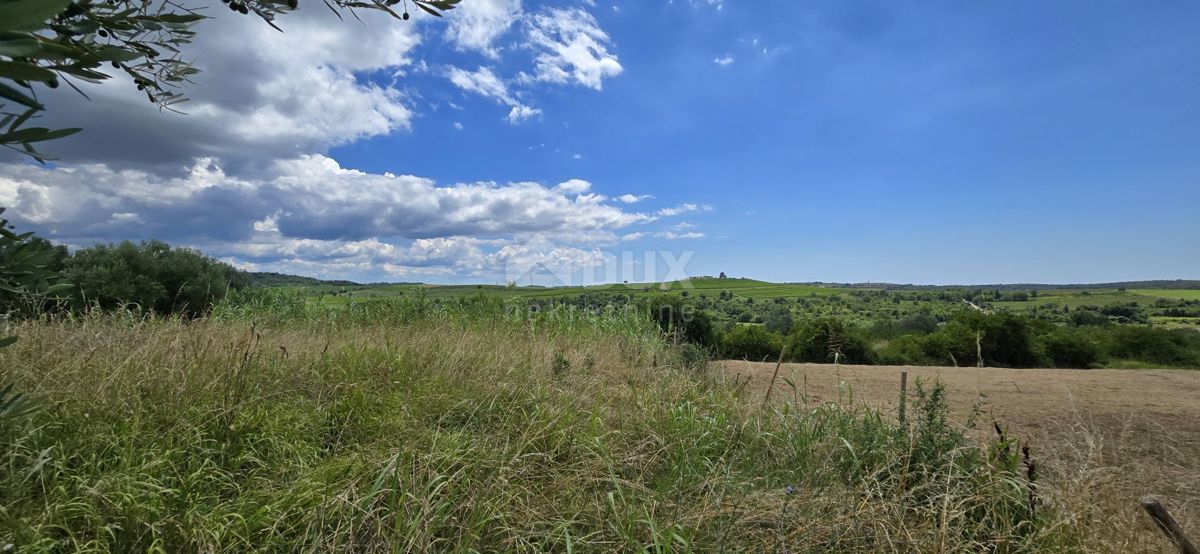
464 430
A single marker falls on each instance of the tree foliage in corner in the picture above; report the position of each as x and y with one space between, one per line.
30 271
48 43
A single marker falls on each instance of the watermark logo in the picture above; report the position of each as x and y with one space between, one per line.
573 267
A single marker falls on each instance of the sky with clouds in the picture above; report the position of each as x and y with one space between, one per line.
946 142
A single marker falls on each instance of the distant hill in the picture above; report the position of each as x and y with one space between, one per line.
1176 284
271 279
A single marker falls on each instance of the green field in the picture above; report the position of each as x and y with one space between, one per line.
746 288
1177 322
1087 297
739 300
1170 294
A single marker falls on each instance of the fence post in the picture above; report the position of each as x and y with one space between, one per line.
903 398
1168 525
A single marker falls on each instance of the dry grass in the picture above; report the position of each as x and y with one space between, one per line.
1104 438
454 435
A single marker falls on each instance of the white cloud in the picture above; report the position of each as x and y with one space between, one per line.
573 186
478 24
261 94
520 114
633 198
255 187
723 60
482 81
571 47
310 215
684 209
633 236
485 83
671 235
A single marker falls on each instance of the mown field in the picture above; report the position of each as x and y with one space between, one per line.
404 425
1176 294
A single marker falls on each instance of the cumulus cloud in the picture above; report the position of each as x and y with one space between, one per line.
520 114
571 48
308 214
478 24
723 60
256 187
306 197
671 235
633 198
684 209
573 186
260 95
484 82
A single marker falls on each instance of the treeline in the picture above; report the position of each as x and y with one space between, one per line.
272 279
1174 284
1107 336
968 339
149 276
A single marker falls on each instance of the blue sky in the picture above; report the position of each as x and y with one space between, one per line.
945 142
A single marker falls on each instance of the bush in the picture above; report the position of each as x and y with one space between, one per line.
1066 348
1081 318
1173 347
906 350
918 323
750 342
30 270
676 316
779 321
1004 339
817 340
150 275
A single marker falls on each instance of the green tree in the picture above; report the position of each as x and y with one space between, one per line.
676 316
45 43
779 321
30 272
750 342
1066 347
820 340
151 276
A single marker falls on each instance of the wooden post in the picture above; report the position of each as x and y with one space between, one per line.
1168 525
979 347
903 397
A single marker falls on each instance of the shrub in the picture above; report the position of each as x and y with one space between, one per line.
1066 348
150 275
1174 347
818 340
906 350
678 317
1004 339
750 342
779 321
30 269
1082 318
